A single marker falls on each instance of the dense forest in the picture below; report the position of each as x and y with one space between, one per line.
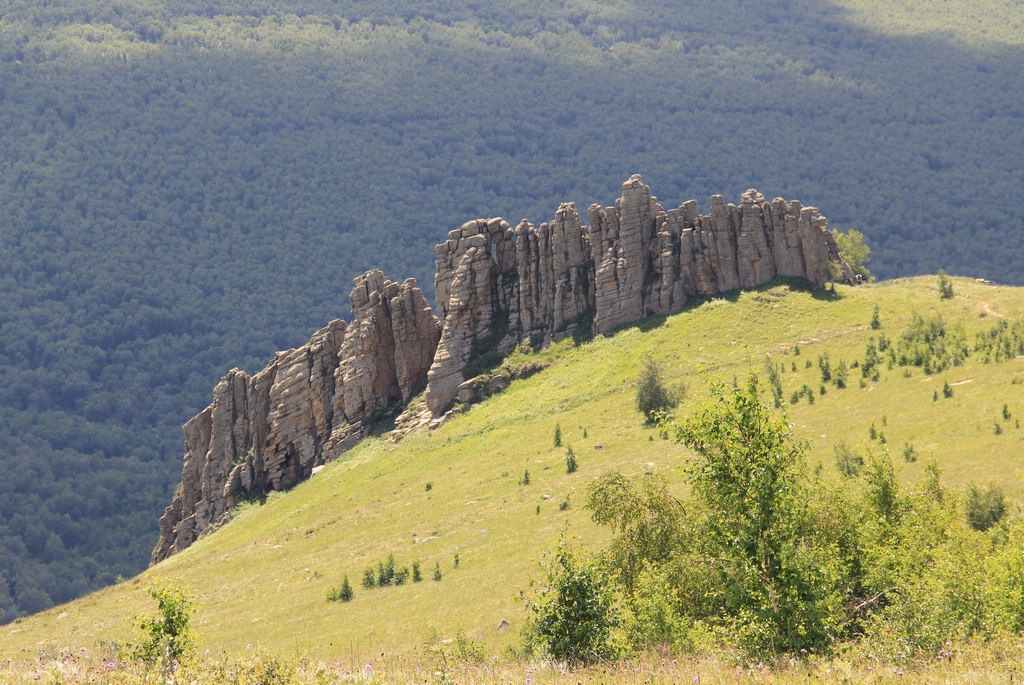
190 185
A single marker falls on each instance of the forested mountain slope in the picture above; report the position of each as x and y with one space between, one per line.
190 186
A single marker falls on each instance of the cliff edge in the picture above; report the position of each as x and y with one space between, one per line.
496 287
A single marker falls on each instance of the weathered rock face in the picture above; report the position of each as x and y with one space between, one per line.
307 406
496 287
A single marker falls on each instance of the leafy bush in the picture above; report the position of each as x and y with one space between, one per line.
848 462
167 638
653 396
985 508
766 559
573 610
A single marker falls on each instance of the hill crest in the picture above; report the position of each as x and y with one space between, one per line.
496 288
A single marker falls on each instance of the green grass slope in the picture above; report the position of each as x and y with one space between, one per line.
264 577
191 185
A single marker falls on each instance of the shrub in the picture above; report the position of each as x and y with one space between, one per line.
876 323
386 571
343 592
945 286
771 588
570 461
417 575
430 486
839 378
369 579
526 478
985 508
848 462
909 453
167 638
572 611
775 382
947 391
558 435
653 396
826 368
437 570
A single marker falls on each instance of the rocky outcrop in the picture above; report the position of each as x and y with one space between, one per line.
308 405
496 287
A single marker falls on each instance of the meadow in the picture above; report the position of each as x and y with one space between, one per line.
455 499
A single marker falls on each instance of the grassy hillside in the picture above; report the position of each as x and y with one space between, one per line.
264 577
189 186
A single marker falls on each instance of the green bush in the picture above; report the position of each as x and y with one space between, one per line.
343 592
945 286
167 638
848 462
369 579
572 610
653 396
985 508
570 461
765 558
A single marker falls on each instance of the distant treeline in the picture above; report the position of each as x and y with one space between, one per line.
189 186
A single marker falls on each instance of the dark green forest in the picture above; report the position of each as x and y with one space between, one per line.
191 185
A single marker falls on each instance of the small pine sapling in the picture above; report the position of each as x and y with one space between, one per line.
570 461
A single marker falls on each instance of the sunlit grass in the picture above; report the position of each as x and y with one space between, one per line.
264 577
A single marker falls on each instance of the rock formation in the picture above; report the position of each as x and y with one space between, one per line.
496 287
309 405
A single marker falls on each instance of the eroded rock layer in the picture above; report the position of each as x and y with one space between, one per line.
496 287
307 406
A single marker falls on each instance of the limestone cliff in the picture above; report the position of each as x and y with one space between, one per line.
496 287
307 406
